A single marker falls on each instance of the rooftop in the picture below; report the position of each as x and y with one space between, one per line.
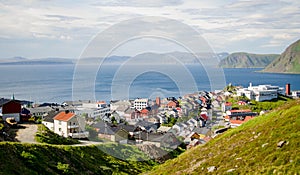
64 116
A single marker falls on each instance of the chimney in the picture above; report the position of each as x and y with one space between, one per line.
157 101
288 89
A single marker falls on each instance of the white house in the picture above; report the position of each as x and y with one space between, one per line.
141 103
68 124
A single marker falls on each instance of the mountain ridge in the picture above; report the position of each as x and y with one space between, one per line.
287 62
247 60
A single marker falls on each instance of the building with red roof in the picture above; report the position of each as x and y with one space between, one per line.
68 124
239 121
173 104
145 112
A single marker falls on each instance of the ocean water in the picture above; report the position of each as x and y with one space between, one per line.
55 83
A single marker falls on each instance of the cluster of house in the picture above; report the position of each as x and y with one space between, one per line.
145 121
159 110
135 121
141 120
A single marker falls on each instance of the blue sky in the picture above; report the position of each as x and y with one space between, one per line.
54 28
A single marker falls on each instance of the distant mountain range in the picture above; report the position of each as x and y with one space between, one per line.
288 62
26 61
144 58
247 60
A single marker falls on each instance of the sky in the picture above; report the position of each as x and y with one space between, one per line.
54 28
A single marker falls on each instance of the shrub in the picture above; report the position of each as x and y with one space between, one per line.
63 167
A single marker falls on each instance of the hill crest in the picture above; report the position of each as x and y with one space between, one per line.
247 60
288 62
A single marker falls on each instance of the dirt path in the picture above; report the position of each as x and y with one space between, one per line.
26 133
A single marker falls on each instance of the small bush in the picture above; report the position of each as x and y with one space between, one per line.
1 126
63 167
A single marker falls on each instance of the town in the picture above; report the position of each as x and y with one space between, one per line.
192 119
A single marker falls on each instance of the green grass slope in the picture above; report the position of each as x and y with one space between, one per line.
249 149
44 135
288 62
48 159
247 60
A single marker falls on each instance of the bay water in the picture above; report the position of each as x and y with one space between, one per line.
54 83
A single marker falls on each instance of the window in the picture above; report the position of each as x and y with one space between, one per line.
59 129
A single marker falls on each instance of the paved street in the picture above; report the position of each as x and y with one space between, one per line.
26 133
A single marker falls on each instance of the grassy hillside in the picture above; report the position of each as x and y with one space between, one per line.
44 135
31 159
247 60
288 62
249 149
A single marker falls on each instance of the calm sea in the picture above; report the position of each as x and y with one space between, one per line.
54 83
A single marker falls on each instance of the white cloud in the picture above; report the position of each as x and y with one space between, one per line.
139 3
226 24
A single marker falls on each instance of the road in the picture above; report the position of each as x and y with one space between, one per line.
26 133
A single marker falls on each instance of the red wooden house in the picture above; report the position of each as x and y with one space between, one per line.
11 109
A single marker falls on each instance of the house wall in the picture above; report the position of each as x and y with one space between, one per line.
61 128
16 116
11 107
140 104
105 136
49 125
78 124
100 112
120 136
266 95
93 112
90 105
